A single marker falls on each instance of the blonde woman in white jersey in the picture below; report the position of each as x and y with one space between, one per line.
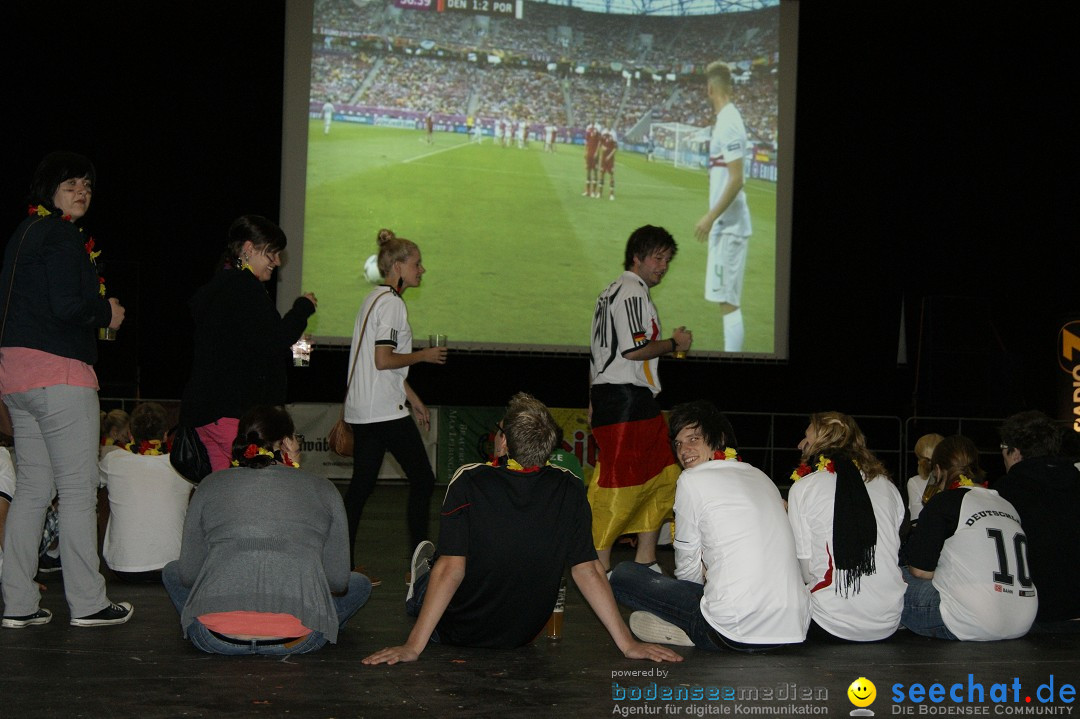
379 395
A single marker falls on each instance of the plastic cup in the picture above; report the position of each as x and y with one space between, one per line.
437 340
107 333
301 352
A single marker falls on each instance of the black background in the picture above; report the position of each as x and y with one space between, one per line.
935 170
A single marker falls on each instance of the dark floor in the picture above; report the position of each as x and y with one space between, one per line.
145 669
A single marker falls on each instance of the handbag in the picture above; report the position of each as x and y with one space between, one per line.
188 454
340 438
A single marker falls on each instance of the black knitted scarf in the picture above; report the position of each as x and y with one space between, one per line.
854 527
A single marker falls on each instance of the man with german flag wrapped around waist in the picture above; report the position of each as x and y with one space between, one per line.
633 484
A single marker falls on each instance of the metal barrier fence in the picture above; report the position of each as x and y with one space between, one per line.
769 440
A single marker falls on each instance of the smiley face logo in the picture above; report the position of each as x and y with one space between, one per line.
862 692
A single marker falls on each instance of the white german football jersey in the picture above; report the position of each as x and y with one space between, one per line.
625 319
379 395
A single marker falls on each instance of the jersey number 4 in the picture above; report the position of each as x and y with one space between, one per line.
1019 550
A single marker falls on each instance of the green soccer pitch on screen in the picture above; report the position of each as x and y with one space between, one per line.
466 133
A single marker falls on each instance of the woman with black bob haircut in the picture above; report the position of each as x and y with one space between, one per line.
264 565
54 304
241 343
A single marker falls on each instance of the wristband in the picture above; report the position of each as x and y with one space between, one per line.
674 346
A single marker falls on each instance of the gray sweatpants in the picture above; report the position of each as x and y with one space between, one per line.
57 431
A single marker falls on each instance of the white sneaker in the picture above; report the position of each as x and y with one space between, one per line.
651 628
420 564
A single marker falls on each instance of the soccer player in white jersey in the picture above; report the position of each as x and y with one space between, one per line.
327 116
726 225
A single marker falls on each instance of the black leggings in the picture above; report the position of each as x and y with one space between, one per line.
371 442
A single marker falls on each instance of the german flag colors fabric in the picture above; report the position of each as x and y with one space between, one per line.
633 483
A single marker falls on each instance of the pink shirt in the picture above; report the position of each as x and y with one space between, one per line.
254 624
22 369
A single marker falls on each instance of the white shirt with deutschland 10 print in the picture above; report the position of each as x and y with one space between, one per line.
972 540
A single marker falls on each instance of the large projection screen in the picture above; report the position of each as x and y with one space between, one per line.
515 253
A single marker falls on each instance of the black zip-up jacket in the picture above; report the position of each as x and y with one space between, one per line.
54 304
241 348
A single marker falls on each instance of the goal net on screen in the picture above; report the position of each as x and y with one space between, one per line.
685 146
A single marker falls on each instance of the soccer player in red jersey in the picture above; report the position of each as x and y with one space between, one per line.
592 146
608 146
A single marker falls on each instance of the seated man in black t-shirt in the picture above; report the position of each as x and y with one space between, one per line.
507 533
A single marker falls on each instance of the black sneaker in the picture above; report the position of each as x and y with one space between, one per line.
41 616
48 565
112 614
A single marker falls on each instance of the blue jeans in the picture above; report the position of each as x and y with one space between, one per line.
674 600
922 608
414 603
345 606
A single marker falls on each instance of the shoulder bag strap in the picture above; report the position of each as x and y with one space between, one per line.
11 279
359 342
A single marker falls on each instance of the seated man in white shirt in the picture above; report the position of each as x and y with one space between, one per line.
148 500
737 582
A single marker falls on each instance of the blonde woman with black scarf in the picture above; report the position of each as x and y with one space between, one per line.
845 513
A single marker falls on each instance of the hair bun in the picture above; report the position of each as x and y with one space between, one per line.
385 236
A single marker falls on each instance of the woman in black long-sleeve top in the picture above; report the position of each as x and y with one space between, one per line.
241 343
